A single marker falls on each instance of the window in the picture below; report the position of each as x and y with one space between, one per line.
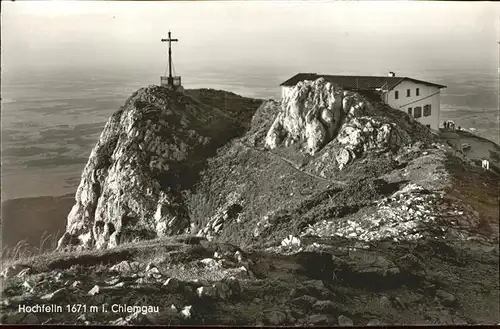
427 110
428 126
418 92
408 93
396 94
417 112
409 110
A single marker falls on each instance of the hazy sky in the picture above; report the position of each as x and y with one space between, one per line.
309 36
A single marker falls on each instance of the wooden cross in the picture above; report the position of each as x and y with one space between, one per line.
170 40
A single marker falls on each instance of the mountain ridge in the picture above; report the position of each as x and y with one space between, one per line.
325 208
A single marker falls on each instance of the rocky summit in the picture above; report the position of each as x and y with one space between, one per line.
325 208
150 150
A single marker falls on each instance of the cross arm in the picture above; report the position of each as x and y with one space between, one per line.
165 40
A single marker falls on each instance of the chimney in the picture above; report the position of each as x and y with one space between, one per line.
391 74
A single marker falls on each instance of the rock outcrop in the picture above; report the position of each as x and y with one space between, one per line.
316 113
311 114
149 150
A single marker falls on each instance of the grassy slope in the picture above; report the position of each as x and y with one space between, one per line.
478 188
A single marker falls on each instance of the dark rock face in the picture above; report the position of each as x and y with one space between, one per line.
150 149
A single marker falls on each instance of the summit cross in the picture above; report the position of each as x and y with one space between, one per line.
170 40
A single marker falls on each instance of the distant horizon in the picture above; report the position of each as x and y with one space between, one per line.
309 36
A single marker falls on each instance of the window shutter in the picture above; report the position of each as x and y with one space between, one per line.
417 112
427 110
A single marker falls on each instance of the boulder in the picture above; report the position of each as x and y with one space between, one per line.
58 276
187 311
210 262
385 302
238 272
112 281
127 267
343 157
324 306
304 302
374 322
344 321
238 256
172 284
76 284
54 296
317 288
119 322
275 318
290 242
95 290
204 292
153 272
446 298
320 320
27 286
139 318
411 264
368 264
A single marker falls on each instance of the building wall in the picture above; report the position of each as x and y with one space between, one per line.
428 95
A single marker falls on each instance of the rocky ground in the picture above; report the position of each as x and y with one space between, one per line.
329 281
328 208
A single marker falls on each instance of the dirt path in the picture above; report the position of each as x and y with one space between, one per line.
480 148
292 165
